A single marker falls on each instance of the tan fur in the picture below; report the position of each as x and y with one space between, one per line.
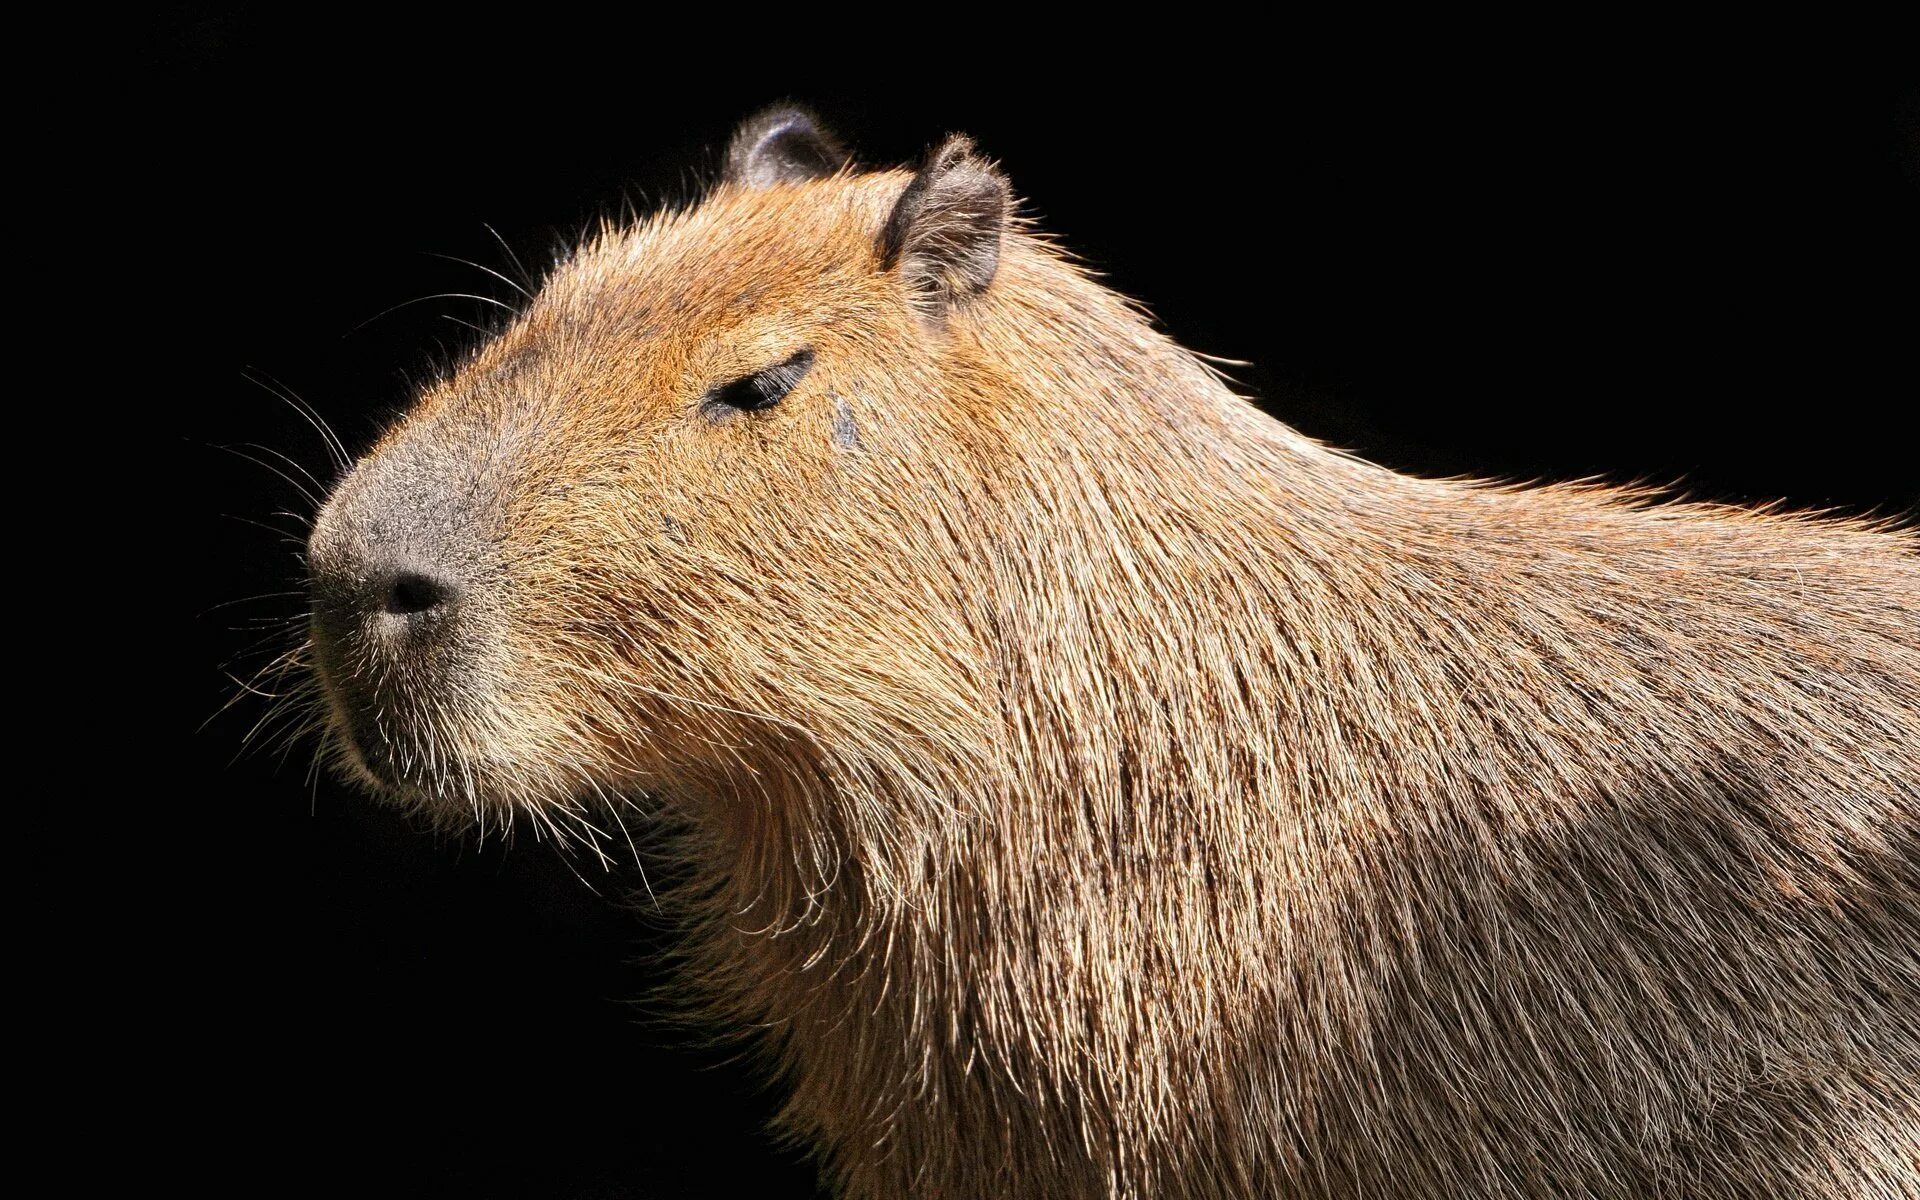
1093 788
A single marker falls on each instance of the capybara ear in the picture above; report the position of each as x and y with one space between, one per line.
782 144
945 232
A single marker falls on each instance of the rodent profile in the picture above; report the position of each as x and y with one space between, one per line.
1096 788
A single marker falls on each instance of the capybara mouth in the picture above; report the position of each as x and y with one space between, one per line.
365 751
378 741
422 773
371 754
457 761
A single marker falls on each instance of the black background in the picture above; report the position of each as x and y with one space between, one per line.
1697 267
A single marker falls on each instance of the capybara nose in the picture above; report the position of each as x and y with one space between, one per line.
415 595
390 584
399 606
394 561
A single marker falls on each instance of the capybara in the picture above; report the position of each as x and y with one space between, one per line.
1087 786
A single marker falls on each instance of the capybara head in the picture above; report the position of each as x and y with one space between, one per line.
702 517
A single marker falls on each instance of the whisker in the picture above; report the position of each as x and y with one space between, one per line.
291 540
302 488
309 476
279 712
255 644
525 275
274 670
272 625
499 304
467 262
246 600
336 449
620 822
466 324
559 844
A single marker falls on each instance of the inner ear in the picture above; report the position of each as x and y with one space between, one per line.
782 144
944 234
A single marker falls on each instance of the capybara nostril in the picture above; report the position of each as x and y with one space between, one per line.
412 593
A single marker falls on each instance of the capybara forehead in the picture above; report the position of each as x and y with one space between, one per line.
786 252
625 336
639 315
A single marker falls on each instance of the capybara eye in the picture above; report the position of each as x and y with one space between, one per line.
762 389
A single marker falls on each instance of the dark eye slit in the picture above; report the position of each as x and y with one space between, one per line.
762 389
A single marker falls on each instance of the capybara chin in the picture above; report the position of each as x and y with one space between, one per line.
1095 788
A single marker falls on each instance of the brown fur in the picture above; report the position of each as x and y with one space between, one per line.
1095 788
